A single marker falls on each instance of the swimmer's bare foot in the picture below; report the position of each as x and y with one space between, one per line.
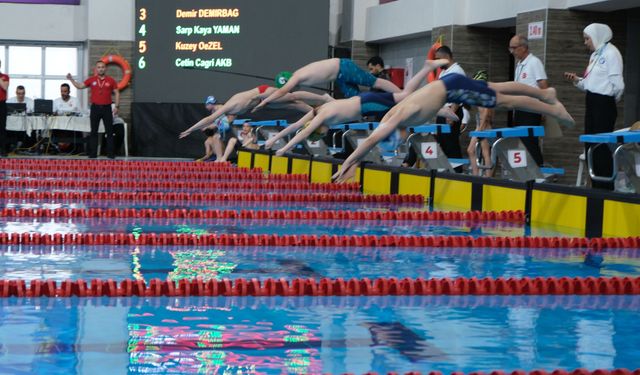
435 64
549 96
563 117
447 113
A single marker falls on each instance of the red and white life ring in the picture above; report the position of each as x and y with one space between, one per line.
123 64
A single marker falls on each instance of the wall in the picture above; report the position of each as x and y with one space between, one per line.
408 17
395 54
65 23
111 20
95 19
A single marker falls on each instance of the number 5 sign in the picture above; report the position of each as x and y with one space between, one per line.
517 158
429 150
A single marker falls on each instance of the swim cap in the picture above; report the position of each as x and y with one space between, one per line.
316 135
210 100
282 78
391 143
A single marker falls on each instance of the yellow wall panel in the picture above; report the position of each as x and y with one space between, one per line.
452 195
300 166
376 182
412 184
244 159
558 210
279 164
261 161
321 172
498 198
620 219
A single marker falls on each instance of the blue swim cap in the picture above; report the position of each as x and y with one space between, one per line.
391 143
210 100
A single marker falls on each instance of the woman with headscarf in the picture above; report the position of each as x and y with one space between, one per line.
604 85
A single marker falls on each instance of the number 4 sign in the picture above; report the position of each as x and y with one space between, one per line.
429 150
517 158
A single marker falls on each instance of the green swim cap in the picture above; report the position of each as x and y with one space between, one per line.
316 135
282 78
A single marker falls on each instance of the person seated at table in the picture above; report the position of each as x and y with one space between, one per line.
66 104
22 98
26 139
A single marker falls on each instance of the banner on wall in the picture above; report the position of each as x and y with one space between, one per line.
63 2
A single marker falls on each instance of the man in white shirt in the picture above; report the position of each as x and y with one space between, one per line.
529 71
66 103
450 142
21 98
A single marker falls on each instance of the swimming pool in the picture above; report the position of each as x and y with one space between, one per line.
114 227
312 335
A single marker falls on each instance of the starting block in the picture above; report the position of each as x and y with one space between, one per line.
266 130
355 134
626 154
422 140
513 155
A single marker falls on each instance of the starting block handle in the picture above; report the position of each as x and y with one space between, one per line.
517 131
615 163
430 128
355 126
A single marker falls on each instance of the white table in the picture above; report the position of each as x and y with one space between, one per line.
73 123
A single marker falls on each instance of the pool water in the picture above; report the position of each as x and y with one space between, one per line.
258 226
187 262
302 335
214 205
318 334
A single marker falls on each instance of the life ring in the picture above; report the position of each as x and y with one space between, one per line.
431 55
123 64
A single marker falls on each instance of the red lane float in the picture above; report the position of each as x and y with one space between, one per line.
244 239
176 185
472 216
121 165
323 287
252 175
208 197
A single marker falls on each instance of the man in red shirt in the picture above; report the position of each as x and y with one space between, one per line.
101 86
4 85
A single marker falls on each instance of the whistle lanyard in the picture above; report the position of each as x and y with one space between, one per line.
594 60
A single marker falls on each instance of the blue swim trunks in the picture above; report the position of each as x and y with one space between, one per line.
375 103
350 76
463 90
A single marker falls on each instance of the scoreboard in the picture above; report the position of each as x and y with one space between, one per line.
186 50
